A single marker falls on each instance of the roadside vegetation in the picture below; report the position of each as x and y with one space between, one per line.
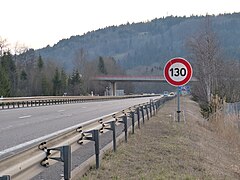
208 42
217 75
165 149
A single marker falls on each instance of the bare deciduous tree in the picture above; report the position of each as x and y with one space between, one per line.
20 48
208 67
3 45
79 61
207 62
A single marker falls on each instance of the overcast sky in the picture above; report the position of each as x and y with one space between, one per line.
37 23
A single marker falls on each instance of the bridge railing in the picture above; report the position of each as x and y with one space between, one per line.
29 161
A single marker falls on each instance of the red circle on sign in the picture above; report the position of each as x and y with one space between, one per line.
188 68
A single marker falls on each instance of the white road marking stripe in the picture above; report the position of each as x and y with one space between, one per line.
19 146
23 117
60 110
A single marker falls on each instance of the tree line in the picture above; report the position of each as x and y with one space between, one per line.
25 74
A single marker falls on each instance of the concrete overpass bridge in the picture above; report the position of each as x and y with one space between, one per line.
113 79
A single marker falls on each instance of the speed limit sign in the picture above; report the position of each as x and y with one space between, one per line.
178 71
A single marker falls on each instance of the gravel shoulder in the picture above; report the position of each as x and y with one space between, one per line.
166 149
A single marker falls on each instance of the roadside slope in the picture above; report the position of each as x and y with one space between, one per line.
165 149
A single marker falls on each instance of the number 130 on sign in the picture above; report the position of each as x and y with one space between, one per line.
178 71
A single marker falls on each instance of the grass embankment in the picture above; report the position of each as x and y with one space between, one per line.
164 149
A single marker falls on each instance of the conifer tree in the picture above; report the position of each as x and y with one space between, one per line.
4 83
56 83
101 66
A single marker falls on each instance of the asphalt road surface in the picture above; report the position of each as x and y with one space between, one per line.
18 126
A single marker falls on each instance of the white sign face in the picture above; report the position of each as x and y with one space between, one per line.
178 72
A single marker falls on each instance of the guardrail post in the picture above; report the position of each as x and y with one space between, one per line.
125 127
5 177
150 108
95 138
138 116
113 129
133 120
158 104
153 108
124 121
13 104
146 107
142 110
65 157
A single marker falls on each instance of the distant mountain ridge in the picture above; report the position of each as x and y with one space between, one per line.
146 43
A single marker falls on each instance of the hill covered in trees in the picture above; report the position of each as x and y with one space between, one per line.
146 43
211 43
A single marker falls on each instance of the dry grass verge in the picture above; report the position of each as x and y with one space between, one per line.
164 149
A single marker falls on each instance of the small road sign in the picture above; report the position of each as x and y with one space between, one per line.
178 71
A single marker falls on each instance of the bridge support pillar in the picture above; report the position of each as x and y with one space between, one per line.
113 88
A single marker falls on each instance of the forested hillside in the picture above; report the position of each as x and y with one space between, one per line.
146 43
211 43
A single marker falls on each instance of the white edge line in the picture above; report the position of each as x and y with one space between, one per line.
14 148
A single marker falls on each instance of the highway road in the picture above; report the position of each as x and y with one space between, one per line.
19 126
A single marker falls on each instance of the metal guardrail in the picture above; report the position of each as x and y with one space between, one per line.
20 102
33 160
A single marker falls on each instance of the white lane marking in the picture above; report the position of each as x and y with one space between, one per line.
6 128
23 117
84 107
61 110
14 148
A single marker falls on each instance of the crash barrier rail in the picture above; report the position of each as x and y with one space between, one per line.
30 162
11 103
